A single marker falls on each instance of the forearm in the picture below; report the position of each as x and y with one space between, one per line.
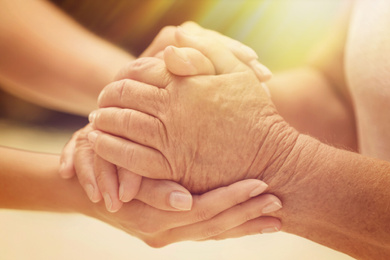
49 59
30 181
334 197
307 101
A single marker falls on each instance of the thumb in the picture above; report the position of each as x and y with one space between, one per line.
165 195
187 62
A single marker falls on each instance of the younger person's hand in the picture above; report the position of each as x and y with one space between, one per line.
167 37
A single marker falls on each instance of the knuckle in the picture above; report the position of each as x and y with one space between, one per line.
100 178
137 67
131 68
114 89
162 102
121 90
249 216
212 231
125 119
128 152
166 30
202 215
161 131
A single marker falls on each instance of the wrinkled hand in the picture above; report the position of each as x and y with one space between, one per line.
222 213
116 185
202 131
228 212
79 158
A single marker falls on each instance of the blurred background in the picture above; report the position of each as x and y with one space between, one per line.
283 32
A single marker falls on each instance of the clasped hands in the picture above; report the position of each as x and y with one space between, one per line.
196 115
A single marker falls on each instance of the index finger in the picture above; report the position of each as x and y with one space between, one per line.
133 94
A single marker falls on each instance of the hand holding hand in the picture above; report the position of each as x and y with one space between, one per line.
227 212
79 159
202 131
116 185
167 37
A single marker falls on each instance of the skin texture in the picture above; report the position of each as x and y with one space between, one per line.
223 125
119 184
27 179
332 196
31 34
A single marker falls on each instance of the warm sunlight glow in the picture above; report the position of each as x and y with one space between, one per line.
281 31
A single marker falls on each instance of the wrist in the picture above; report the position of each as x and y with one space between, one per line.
296 179
296 156
280 147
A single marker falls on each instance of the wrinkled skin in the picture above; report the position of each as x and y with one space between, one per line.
233 211
202 131
119 185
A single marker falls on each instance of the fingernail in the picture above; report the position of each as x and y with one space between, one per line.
180 200
92 116
249 52
92 136
108 201
89 190
122 193
261 70
272 207
181 54
269 230
258 190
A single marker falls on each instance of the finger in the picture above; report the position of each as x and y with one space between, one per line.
160 55
204 207
129 184
187 62
260 225
149 70
212 203
67 170
163 39
83 162
134 157
165 195
107 180
130 124
222 58
133 95
224 221
241 51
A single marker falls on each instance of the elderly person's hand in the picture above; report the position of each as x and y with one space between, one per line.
116 184
165 195
202 131
232 211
